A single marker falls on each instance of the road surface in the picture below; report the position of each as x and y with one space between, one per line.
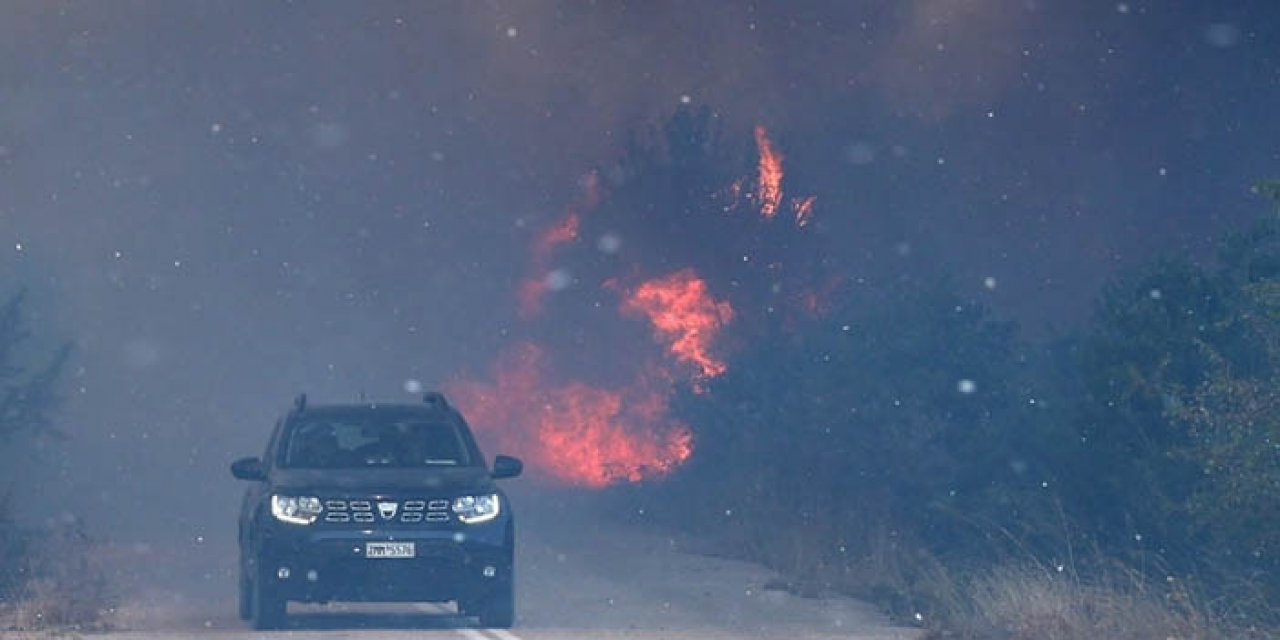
578 577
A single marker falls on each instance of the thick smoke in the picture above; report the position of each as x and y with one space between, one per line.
641 289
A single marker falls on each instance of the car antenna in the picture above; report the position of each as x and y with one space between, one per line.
300 402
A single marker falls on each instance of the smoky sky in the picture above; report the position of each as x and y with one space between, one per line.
223 204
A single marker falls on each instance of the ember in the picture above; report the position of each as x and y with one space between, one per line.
803 209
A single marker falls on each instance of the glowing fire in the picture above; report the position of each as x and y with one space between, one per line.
594 435
533 289
683 315
803 209
733 194
561 233
769 181
578 433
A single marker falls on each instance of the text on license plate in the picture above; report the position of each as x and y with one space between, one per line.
388 550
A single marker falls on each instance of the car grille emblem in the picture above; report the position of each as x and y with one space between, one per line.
387 510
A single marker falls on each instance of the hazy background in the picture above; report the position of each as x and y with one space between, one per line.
223 204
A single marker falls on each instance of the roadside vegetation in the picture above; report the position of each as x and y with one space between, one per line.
49 581
1122 481
906 445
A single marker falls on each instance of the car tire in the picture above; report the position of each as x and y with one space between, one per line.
267 608
498 608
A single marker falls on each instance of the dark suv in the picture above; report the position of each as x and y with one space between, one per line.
375 502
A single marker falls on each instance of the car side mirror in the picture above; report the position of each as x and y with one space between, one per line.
507 467
248 469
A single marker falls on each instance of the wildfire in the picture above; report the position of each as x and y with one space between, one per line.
561 233
683 315
769 181
803 209
733 194
588 434
768 194
578 433
533 289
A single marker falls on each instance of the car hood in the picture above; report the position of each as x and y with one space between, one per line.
459 480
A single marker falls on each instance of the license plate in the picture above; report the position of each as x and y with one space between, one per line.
388 550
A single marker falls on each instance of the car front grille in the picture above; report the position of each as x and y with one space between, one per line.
372 511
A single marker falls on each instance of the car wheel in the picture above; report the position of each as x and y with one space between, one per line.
266 606
498 609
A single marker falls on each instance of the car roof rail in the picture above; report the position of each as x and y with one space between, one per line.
435 399
300 402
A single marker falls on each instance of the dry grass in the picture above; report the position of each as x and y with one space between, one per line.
882 565
898 573
1032 602
1005 594
1016 600
64 589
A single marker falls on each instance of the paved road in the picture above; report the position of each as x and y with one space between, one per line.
577 577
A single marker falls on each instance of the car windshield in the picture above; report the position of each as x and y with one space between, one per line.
348 442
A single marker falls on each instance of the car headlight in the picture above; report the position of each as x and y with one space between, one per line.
295 509
477 509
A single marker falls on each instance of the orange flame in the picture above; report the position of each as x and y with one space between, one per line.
769 182
562 233
803 209
577 433
592 435
684 315
732 194
534 289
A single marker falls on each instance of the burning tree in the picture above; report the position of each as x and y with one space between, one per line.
657 271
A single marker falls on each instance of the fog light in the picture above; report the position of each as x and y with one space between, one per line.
489 572
282 573
312 576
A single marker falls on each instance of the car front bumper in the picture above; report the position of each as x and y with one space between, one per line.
322 565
